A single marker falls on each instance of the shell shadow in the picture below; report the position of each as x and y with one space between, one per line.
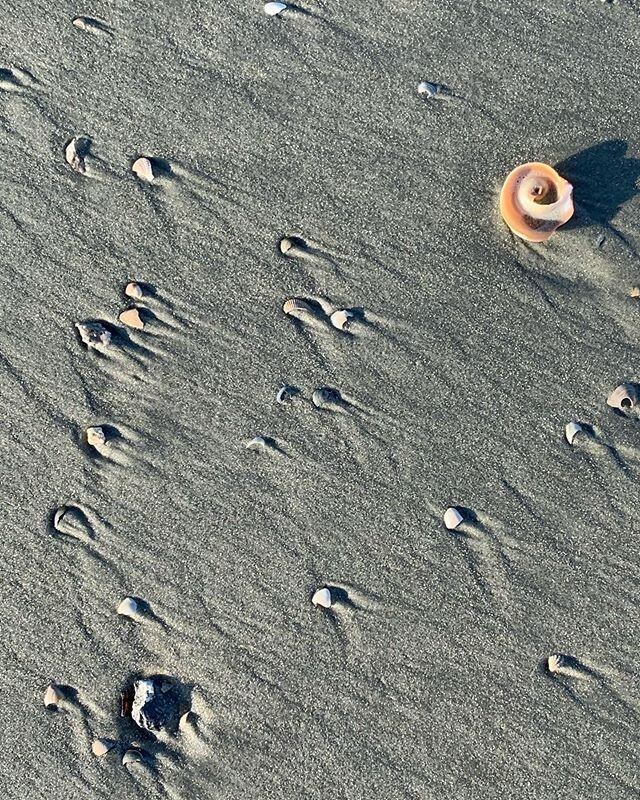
340 597
604 179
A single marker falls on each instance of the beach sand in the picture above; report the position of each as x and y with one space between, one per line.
469 353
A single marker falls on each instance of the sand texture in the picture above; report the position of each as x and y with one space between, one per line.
467 354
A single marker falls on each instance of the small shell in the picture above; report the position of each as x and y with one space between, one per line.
271 9
143 169
132 319
322 598
296 306
452 518
93 334
428 89
635 291
134 290
286 244
96 436
555 662
257 443
100 747
128 608
285 393
321 397
187 721
623 397
73 158
340 319
572 429
53 696
535 200
131 756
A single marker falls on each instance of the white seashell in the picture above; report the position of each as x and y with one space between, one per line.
623 397
128 608
73 158
340 319
322 598
271 9
100 747
257 443
285 393
635 291
132 319
187 721
452 518
428 89
131 756
555 662
93 334
134 290
96 436
572 429
295 306
286 244
143 169
53 696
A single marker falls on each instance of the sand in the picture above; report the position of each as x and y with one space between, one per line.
471 352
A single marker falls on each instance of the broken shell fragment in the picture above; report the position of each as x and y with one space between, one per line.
74 157
623 397
128 608
285 393
325 396
635 291
94 334
53 696
100 747
572 429
340 319
296 307
452 518
257 443
96 436
132 319
271 9
187 721
535 200
428 89
322 598
134 290
143 169
131 756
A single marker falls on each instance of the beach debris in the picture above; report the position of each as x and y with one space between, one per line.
635 291
452 518
570 667
600 240
143 168
322 598
53 696
100 747
286 244
75 152
325 396
429 89
96 436
155 706
296 307
340 319
271 9
535 200
131 756
134 290
623 397
132 319
258 443
571 430
187 721
72 521
284 394
128 608
91 25
94 334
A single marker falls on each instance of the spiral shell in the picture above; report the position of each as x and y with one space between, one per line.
623 397
535 200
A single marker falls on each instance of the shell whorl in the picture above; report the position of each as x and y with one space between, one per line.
535 200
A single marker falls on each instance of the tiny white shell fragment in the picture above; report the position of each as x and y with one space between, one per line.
572 429
128 608
452 518
100 747
131 756
286 244
340 319
623 397
635 291
187 721
73 158
428 89
271 9
53 696
257 443
322 598
93 334
554 662
134 290
285 393
96 436
143 169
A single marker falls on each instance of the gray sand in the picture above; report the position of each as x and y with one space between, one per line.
476 349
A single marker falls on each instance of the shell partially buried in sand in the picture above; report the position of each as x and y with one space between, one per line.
535 200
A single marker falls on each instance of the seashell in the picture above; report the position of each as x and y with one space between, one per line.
452 518
134 290
635 291
73 158
286 244
623 397
143 169
572 429
285 393
94 334
53 696
96 436
535 200
555 662
132 319
187 721
570 667
72 521
100 747
340 319
296 306
128 608
324 396
257 443
428 89
322 598
271 9
131 756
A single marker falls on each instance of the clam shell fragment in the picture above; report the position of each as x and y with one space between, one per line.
132 319
73 157
623 397
96 436
271 9
322 598
297 307
131 756
340 319
53 696
535 201
94 334
572 429
134 290
258 443
452 518
100 747
428 89
284 394
143 168
128 608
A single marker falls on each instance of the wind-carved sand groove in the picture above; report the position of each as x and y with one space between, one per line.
65 700
590 443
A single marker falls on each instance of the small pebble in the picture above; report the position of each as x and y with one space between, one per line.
94 334
322 598
324 396
128 608
286 244
96 436
452 518
132 319
134 290
53 696
572 429
271 9
100 747
143 169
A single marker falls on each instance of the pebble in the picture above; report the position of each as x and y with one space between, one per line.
143 169
53 696
134 290
322 598
94 334
96 436
286 244
325 396
452 518
132 319
100 747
